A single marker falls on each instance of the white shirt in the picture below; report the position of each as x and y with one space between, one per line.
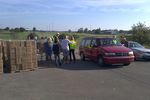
65 44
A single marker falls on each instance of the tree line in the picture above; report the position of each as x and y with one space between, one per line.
20 29
139 32
86 30
100 31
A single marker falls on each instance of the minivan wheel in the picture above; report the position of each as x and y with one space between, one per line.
100 61
82 57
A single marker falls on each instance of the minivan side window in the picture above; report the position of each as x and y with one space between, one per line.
93 43
100 42
106 42
87 43
82 43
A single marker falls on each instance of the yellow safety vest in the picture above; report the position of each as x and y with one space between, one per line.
73 45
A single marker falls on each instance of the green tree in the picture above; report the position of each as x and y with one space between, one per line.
7 28
69 31
96 31
80 30
17 29
34 29
141 33
22 29
86 30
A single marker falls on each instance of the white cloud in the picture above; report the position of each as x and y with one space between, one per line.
120 10
18 1
79 2
73 6
115 5
112 2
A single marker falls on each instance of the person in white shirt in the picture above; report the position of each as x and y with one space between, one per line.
65 48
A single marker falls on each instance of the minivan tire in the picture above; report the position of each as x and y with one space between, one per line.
82 56
100 61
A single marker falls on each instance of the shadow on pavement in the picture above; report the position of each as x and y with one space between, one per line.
78 65
86 65
143 60
45 64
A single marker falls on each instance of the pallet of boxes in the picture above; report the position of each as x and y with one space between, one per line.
1 58
19 55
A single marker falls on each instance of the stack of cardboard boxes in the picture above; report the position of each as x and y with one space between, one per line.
29 57
1 58
19 55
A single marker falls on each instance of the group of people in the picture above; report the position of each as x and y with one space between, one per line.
55 45
122 40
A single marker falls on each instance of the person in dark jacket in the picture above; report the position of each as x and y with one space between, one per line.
124 41
32 36
56 51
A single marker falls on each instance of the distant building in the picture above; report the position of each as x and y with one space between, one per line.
109 31
125 32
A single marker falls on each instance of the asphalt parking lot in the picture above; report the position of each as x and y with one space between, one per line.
78 81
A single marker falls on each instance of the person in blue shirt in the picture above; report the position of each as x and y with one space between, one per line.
48 49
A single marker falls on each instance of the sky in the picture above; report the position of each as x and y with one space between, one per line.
62 15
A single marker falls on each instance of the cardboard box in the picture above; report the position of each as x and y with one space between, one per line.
19 54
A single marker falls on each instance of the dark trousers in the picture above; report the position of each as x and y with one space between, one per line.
48 57
72 53
57 59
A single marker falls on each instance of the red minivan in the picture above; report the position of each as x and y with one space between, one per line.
105 51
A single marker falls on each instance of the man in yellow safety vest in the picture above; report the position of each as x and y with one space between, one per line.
72 46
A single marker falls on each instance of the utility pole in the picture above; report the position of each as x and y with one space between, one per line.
49 28
52 27
90 28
